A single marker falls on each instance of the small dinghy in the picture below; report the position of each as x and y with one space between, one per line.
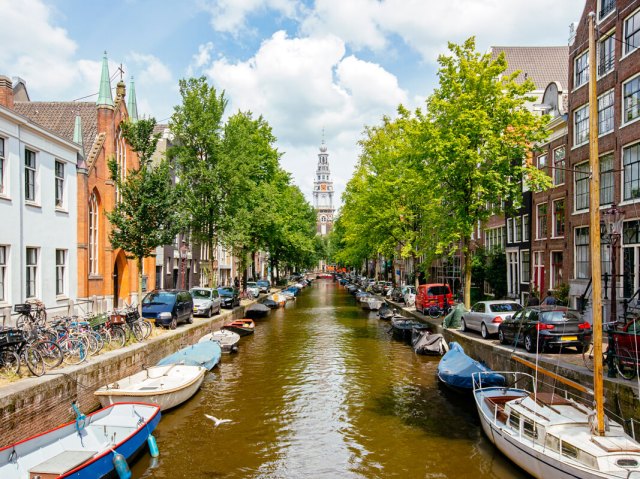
270 303
243 327
402 328
456 369
424 342
85 448
277 298
386 312
256 310
372 303
206 355
167 386
228 340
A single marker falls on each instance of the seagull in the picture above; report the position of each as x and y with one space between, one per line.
217 421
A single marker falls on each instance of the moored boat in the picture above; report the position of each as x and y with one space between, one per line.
167 386
402 328
206 355
256 310
228 340
243 327
84 448
456 370
425 342
372 303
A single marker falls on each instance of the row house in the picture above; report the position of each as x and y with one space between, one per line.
38 175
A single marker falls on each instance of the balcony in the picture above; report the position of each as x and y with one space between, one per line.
606 6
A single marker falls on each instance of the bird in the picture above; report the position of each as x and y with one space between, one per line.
217 421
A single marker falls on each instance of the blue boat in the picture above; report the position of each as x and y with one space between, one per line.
87 448
456 368
206 354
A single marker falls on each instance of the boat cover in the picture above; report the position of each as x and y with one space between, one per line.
452 320
455 369
426 343
256 310
206 354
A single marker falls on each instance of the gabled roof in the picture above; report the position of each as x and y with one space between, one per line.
59 117
542 65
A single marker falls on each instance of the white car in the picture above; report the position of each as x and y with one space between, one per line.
409 295
486 316
206 301
253 288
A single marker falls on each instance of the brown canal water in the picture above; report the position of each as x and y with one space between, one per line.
322 391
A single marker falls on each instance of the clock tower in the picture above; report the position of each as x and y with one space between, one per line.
323 193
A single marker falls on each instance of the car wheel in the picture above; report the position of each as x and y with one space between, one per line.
173 324
483 331
529 343
463 325
501 337
210 312
189 319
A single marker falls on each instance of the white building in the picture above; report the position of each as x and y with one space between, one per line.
38 212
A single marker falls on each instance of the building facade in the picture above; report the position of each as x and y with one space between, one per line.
323 193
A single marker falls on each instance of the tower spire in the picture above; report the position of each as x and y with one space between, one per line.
132 102
77 132
104 95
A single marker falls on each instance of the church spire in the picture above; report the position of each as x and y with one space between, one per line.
104 95
132 102
77 132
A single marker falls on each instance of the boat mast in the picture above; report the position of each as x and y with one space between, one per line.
594 231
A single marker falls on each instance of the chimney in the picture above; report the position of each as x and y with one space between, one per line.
6 92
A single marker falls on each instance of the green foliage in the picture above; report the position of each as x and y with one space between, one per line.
561 292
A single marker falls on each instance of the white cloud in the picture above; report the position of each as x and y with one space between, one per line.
230 15
200 59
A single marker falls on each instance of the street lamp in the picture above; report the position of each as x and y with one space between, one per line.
184 252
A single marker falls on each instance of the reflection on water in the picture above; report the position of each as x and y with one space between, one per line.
320 390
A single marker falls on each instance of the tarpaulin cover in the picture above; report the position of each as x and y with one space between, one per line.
452 320
455 369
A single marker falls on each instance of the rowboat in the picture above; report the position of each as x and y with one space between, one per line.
402 328
206 355
243 327
228 340
456 369
167 386
84 448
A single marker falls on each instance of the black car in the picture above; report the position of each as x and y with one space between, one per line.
542 327
230 296
168 307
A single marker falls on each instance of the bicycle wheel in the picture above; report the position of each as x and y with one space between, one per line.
137 331
434 311
147 328
587 357
9 364
75 350
34 361
99 339
51 353
118 336
625 365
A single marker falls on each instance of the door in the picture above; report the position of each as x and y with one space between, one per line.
475 316
116 282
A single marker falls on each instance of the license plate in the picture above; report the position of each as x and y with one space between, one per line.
569 338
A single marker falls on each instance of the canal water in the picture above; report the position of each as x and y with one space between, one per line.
322 391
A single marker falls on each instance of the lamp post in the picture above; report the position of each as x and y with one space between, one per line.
184 252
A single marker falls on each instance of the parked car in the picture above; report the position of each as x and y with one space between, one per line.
229 296
264 285
206 301
397 295
409 295
543 327
433 295
253 288
486 316
168 307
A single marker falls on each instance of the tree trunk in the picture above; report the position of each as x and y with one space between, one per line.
139 261
467 273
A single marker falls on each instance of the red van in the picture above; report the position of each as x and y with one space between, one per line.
432 295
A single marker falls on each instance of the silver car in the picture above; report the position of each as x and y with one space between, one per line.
206 301
486 316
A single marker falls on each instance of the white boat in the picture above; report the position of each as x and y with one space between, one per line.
167 386
549 435
371 303
228 340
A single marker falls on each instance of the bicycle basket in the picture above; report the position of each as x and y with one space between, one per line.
117 319
132 316
22 308
11 336
97 321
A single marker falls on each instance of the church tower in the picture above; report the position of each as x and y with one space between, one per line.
323 193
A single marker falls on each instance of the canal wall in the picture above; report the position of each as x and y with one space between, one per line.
33 405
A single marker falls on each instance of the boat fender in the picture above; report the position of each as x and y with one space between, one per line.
81 419
153 446
122 468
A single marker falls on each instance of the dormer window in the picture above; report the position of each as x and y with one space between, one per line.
605 7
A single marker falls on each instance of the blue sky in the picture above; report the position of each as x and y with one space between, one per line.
303 65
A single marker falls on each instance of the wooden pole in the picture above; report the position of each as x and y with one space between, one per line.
594 232
557 377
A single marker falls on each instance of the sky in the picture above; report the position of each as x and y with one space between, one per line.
305 66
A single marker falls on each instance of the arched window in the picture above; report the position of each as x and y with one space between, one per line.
94 217
121 159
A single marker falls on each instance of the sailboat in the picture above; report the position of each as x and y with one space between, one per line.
548 434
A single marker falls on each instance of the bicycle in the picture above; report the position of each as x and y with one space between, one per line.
435 311
14 349
625 353
31 314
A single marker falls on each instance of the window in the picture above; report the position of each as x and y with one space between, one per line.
2 167
121 160
542 162
606 55
581 126
517 229
542 221
94 220
631 166
559 165
606 179
494 239
32 272
525 228
631 99
558 218
605 113
581 179
3 273
61 265
538 270
529 429
59 172
509 230
581 70
525 265
556 268
29 175
582 253
514 420
632 33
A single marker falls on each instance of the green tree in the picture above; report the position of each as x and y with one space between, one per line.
145 216
476 134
